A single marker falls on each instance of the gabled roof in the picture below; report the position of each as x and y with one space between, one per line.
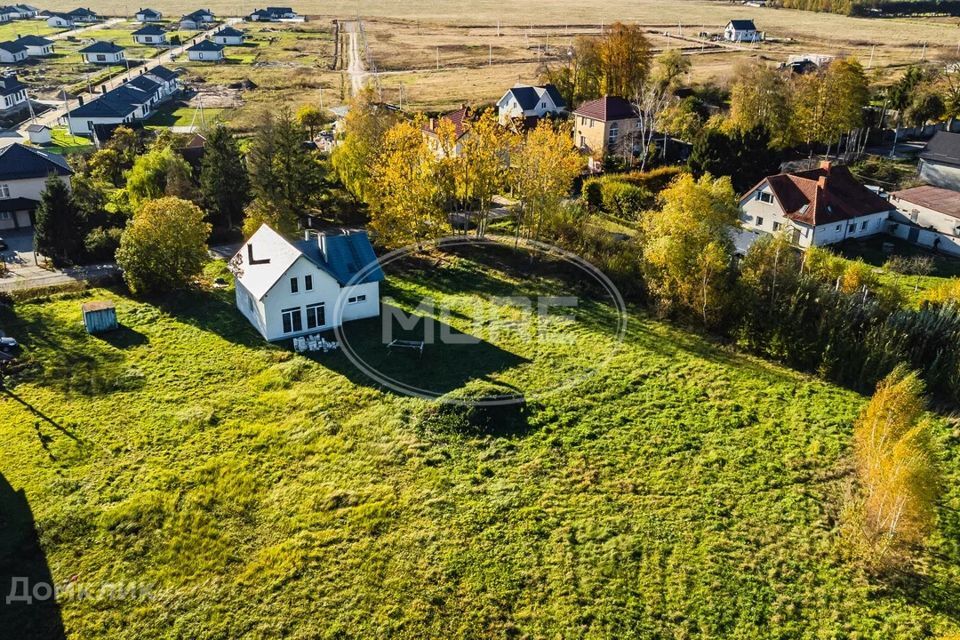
459 118
607 108
272 256
20 162
36 128
148 12
10 84
58 14
554 94
163 73
823 195
110 105
144 84
945 201
132 94
943 148
101 46
197 15
33 41
150 30
206 45
12 47
526 97
229 32
742 25
81 11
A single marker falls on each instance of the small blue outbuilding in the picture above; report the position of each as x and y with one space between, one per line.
99 316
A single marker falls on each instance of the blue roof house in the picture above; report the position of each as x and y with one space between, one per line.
101 52
23 176
529 102
289 289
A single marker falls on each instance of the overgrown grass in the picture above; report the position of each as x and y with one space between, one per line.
683 491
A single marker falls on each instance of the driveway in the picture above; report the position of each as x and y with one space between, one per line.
22 273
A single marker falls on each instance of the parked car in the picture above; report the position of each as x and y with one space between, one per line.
7 344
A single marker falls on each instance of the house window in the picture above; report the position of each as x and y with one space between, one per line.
764 196
294 285
5 215
851 228
614 132
101 57
308 283
292 321
776 226
583 142
316 316
759 221
356 299
4 190
863 226
837 228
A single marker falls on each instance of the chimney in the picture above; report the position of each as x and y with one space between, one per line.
322 243
825 165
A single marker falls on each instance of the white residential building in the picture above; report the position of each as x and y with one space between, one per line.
206 51
23 176
12 52
13 94
928 216
820 207
150 34
529 102
148 15
37 46
102 52
742 31
228 36
288 289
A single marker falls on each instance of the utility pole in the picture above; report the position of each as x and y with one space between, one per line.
872 50
490 57
438 58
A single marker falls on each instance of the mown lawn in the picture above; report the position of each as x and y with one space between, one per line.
684 491
177 115
62 142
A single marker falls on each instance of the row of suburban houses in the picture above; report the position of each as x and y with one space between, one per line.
132 101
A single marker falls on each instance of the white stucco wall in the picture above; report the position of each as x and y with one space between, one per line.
940 175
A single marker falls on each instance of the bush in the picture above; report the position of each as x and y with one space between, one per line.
592 194
101 244
624 199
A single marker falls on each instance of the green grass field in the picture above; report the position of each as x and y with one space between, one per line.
685 491
63 143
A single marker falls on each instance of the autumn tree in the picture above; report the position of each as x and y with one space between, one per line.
761 98
543 167
353 158
407 193
655 95
58 230
482 166
897 473
224 186
687 250
161 171
830 103
310 118
625 60
164 246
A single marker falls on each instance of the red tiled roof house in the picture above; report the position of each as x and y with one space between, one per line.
822 206
461 119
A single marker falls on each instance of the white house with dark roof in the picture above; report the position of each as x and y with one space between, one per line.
23 175
148 15
84 15
132 101
13 94
230 37
150 34
288 289
206 51
940 161
197 20
37 46
526 101
102 52
741 31
60 20
819 207
274 14
12 52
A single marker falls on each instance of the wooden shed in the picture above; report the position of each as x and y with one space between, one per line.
99 316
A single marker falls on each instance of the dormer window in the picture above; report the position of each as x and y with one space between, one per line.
765 196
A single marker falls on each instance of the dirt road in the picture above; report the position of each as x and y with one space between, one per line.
356 57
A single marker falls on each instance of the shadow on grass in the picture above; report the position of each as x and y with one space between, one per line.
123 337
450 360
214 311
21 557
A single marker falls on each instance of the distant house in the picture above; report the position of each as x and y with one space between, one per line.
206 51
148 15
60 20
602 127
198 20
288 289
273 14
814 208
940 161
529 102
742 31
129 103
13 94
27 11
84 16
228 36
8 13
23 174
152 34
460 121
12 52
928 216
102 52
37 46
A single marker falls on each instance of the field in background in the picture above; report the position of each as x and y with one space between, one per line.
685 491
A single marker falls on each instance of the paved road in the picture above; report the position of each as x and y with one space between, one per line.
50 118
